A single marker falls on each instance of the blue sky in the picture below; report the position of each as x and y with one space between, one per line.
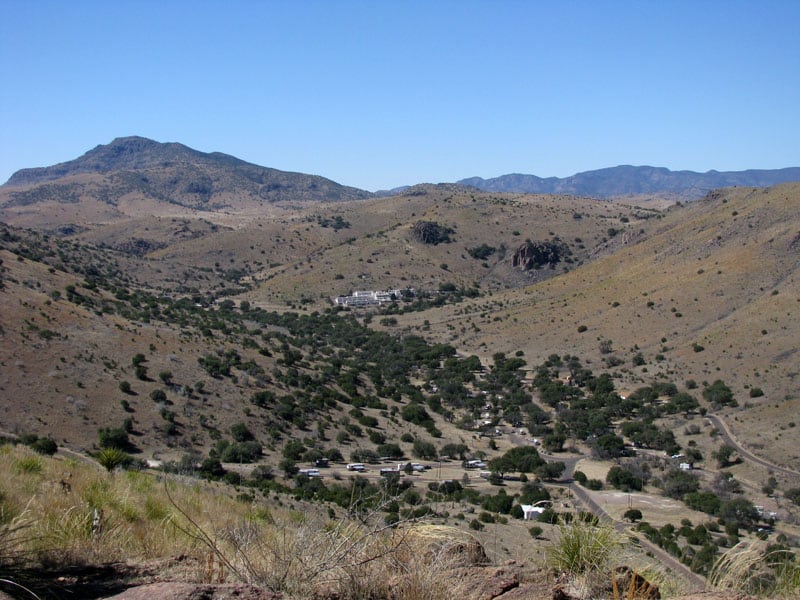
378 94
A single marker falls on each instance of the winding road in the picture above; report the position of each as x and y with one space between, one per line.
726 434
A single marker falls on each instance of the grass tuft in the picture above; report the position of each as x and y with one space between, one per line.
759 568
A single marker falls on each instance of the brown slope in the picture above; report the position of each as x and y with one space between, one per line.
379 251
722 273
134 176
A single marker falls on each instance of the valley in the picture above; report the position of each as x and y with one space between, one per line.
199 338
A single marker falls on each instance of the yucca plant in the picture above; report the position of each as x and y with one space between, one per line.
111 458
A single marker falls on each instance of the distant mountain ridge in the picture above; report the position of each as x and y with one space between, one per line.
627 180
170 172
178 174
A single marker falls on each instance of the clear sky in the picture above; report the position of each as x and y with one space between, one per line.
380 93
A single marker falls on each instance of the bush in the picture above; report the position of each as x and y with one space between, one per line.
241 433
633 515
241 452
623 479
114 438
677 484
719 394
793 494
211 468
424 450
111 458
476 525
581 547
390 450
535 531
46 446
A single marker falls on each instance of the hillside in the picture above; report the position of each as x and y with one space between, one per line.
206 342
628 181
134 176
707 292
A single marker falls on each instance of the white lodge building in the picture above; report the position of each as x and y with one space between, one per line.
368 298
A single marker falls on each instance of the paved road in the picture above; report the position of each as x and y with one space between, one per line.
698 582
585 497
726 434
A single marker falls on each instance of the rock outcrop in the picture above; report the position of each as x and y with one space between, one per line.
535 255
431 232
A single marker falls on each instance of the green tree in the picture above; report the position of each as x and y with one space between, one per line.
46 446
719 394
633 515
723 455
289 467
241 433
740 512
610 445
678 484
623 479
114 438
424 450
211 468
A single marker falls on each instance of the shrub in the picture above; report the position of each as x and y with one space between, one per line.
114 438
793 494
28 464
633 515
719 394
241 452
211 468
241 433
623 479
678 484
582 547
425 450
111 458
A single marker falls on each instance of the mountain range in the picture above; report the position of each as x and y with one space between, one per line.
188 177
627 180
170 172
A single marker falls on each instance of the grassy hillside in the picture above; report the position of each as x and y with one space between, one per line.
708 292
209 344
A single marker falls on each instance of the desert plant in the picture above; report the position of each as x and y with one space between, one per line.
757 567
111 458
581 547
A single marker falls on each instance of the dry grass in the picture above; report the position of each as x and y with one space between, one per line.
70 513
759 568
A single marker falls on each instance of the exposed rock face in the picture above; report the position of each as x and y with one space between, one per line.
535 255
431 232
193 591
